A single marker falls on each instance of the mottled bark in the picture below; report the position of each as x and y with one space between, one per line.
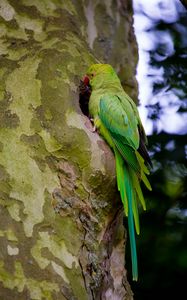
61 229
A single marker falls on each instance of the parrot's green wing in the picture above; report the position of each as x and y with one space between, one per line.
119 119
122 123
123 131
143 139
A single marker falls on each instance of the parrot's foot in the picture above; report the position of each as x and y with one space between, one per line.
94 129
89 124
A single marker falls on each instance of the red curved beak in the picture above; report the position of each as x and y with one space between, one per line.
86 80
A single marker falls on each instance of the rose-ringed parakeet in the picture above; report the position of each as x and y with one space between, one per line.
116 118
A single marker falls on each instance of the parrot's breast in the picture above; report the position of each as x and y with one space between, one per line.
94 104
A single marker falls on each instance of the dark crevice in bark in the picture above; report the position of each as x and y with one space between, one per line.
84 95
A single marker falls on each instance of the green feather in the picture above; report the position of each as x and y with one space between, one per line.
120 180
134 203
141 163
129 191
118 121
127 152
146 181
125 187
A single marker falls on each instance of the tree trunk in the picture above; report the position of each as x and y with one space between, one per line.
61 229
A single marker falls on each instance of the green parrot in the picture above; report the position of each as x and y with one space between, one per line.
116 118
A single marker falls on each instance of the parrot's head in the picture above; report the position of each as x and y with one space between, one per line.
97 76
96 71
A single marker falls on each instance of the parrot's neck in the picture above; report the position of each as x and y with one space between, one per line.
105 82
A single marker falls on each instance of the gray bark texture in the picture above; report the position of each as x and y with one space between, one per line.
61 219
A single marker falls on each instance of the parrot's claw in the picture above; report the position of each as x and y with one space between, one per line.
94 129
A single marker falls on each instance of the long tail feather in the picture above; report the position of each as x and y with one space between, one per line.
135 213
120 180
129 190
128 181
128 196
